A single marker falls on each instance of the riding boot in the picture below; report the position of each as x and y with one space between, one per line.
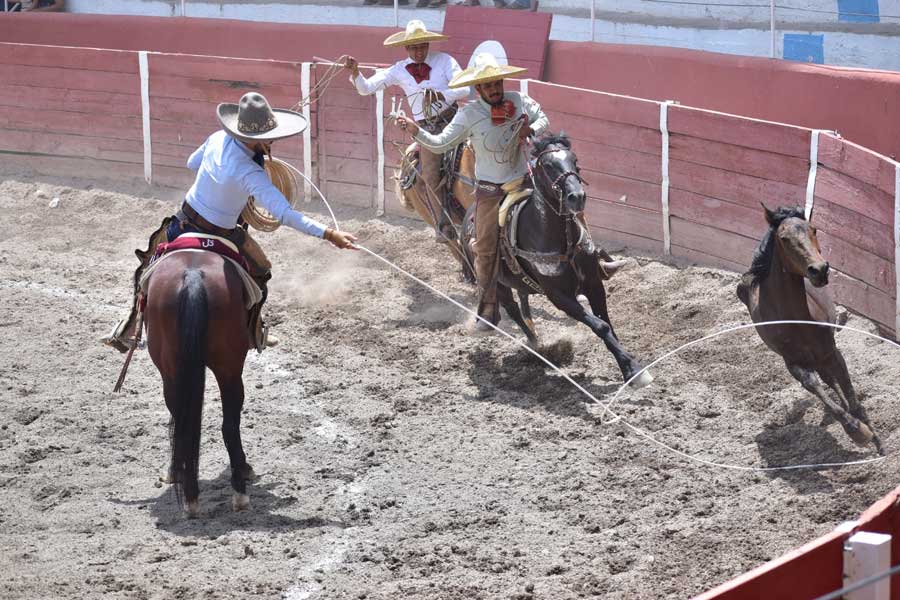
434 195
259 331
122 336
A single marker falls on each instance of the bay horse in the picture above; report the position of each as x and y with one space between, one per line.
555 252
785 282
196 318
460 181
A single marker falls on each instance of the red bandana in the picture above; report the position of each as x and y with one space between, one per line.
419 71
503 113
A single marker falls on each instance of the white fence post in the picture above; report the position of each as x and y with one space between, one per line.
867 554
145 113
379 143
307 133
813 170
664 187
897 251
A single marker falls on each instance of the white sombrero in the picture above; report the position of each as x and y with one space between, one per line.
254 120
415 33
484 70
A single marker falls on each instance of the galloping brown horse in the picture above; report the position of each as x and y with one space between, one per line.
784 283
461 182
196 318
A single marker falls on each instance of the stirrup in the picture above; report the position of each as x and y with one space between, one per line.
115 340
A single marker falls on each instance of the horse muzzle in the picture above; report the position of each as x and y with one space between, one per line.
817 273
575 201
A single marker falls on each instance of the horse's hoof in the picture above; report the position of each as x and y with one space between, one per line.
192 509
862 435
642 380
240 502
878 447
168 478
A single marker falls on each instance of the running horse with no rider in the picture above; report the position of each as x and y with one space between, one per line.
785 283
546 248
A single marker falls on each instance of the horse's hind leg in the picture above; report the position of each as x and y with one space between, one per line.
232 390
836 373
627 364
858 431
505 297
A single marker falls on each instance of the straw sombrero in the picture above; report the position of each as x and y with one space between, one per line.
254 120
415 33
484 70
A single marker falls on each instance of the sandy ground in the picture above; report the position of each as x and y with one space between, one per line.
398 456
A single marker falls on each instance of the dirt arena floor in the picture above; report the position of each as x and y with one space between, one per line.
398 456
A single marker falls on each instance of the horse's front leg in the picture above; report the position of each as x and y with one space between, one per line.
858 431
506 300
627 364
232 390
596 295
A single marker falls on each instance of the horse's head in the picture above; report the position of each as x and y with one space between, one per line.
557 174
796 242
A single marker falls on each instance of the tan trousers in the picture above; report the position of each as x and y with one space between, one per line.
431 176
487 238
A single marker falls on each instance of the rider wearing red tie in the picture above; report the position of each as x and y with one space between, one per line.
424 77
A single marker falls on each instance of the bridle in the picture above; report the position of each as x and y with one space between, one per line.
557 183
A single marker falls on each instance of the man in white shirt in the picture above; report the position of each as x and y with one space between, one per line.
229 168
424 77
496 124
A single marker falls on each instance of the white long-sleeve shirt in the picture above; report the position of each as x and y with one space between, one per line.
443 68
227 175
474 121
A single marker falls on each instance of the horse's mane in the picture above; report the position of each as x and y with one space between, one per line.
762 256
551 139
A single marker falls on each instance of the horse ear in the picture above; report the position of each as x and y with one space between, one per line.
770 216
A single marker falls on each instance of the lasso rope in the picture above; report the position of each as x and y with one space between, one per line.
283 178
608 407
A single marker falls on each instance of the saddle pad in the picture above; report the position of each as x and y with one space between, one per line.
253 293
511 199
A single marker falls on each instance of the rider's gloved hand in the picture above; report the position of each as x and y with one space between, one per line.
526 131
341 239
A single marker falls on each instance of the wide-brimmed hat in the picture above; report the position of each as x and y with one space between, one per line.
254 120
484 70
415 33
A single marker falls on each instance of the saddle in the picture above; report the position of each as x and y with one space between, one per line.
203 242
411 170
549 264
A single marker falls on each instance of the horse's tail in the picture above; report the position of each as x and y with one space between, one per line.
190 381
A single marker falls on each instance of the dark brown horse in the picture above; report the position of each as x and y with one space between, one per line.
555 252
784 284
196 318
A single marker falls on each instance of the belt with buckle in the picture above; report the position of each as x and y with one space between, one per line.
489 186
195 219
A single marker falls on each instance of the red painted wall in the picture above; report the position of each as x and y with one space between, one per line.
862 105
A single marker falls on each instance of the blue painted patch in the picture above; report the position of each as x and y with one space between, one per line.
858 11
805 47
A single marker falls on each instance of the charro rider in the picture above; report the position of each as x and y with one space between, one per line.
424 76
229 170
500 163
483 121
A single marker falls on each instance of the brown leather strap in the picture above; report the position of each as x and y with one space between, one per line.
200 223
